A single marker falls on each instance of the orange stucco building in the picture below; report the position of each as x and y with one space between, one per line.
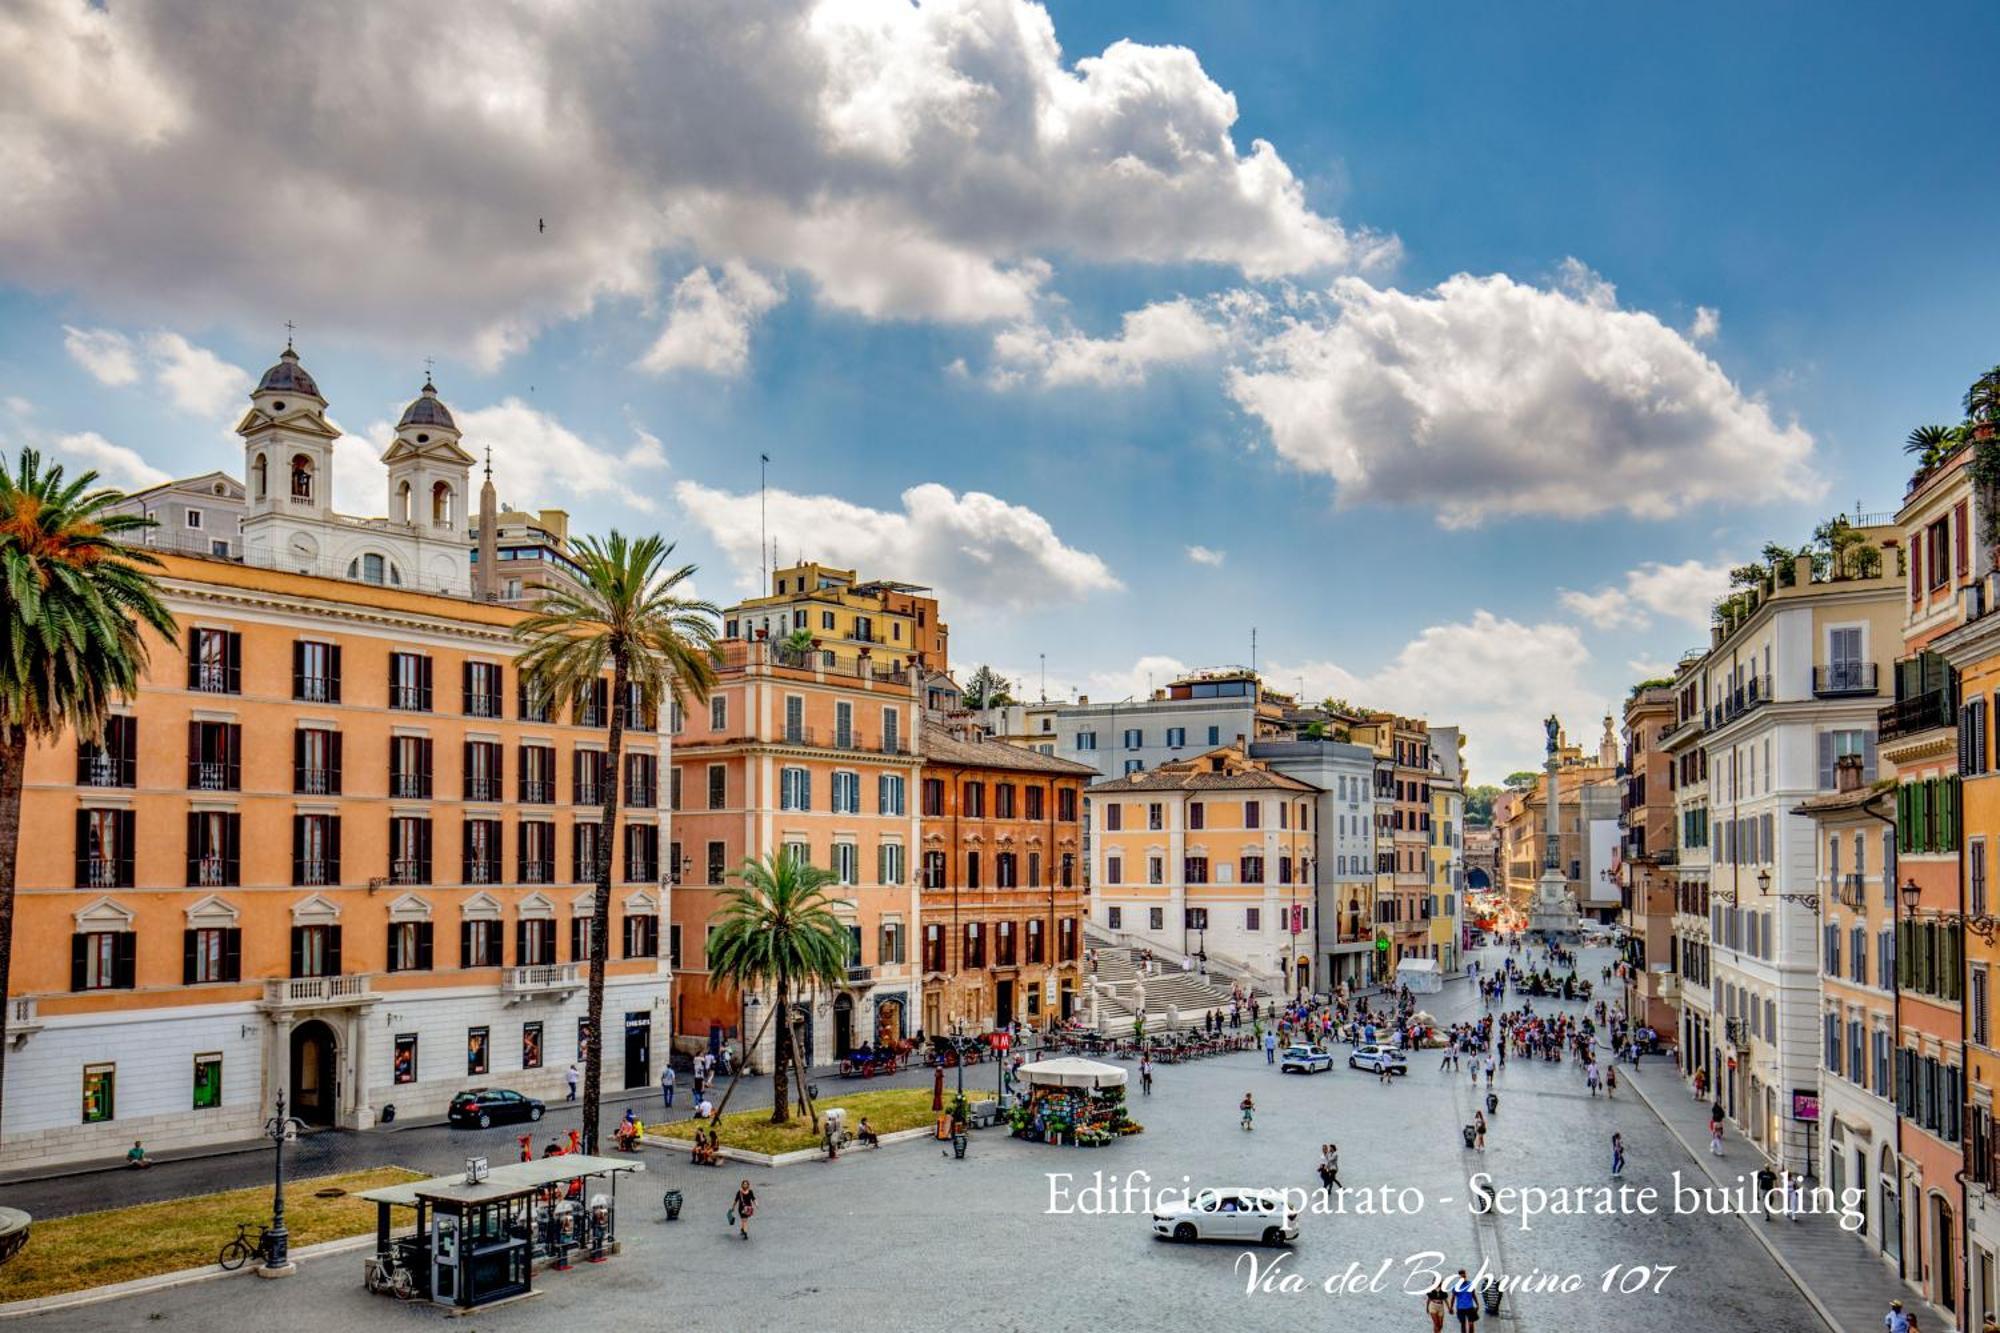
1002 882
330 849
820 759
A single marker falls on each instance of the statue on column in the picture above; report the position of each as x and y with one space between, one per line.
1554 730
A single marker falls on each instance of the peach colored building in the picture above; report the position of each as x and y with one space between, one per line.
821 760
1212 853
1002 882
331 849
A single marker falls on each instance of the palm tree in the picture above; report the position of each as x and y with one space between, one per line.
777 931
627 617
76 600
1982 400
794 647
1932 443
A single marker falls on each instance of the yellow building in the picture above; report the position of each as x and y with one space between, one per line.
845 616
1447 845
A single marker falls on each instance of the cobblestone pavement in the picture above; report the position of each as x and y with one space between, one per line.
906 1238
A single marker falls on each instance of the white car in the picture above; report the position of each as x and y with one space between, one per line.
1375 1057
1303 1060
1258 1215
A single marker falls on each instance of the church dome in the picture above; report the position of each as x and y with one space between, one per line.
288 376
426 410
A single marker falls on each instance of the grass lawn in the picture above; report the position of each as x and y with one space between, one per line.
887 1109
119 1244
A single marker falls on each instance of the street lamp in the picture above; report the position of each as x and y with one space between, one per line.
1764 882
1910 895
279 1128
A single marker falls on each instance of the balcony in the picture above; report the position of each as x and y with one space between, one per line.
315 782
24 1020
536 792
212 678
102 771
101 872
1844 680
1923 712
210 872
800 736
315 689
482 705
482 872
538 872
847 740
1752 694
482 789
315 870
409 786
211 777
1850 891
588 793
892 745
320 992
407 871
540 979
862 975
409 698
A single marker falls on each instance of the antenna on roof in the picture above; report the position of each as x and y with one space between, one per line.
1045 676
763 526
1253 650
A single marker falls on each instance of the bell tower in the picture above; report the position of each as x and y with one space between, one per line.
287 465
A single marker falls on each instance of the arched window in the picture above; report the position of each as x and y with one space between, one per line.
403 511
441 505
260 473
302 477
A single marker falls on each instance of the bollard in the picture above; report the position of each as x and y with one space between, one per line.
672 1201
958 1145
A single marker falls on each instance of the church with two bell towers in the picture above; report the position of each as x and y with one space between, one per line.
289 522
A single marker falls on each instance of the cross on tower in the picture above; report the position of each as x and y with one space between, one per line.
429 362
289 327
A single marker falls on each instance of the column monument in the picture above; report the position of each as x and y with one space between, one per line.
1553 914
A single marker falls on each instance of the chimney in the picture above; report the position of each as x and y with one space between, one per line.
1802 569
1715 636
1082 699
1847 773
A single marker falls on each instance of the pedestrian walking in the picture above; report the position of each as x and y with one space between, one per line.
1465 1303
742 1208
1617 1154
1479 1131
1249 1108
667 1087
1795 1196
1896 1321
1270 1048
1146 1075
1434 1303
1330 1165
570 1076
1715 1135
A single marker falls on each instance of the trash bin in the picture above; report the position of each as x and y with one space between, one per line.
958 1144
1492 1103
1489 1296
672 1200
1471 1135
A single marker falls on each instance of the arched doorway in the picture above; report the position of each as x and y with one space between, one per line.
1892 1216
843 1026
888 1021
1476 880
1944 1262
315 1090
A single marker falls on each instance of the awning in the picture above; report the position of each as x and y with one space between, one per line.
1070 1072
501 1181
1417 965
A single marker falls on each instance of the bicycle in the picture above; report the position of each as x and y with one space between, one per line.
391 1275
240 1250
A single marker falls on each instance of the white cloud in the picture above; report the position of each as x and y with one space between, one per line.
1707 324
537 460
106 353
1643 669
709 325
1487 397
975 548
196 379
910 161
1686 591
1203 555
119 466
1164 333
1494 677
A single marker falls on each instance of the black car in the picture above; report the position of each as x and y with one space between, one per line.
492 1106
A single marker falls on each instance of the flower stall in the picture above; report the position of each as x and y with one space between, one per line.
1075 1101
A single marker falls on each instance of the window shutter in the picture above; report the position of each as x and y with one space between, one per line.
125 949
465 958
194 756
193 849
232 954
233 659
576 939
298 951
125 822
333 849
521 958
333 748
424 940
298 760
1826 761
126 729
576 782
424 767
187 957
424 683
232 849
333 951
77 946
1868 756
298 669
1961 546
465 677
232 736
82 849
333 671
194 667
465 856
424 849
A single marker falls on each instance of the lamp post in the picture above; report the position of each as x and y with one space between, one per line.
278 1259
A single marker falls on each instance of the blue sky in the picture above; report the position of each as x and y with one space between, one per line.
1720 260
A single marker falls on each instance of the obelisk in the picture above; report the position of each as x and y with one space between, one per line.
1554 914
